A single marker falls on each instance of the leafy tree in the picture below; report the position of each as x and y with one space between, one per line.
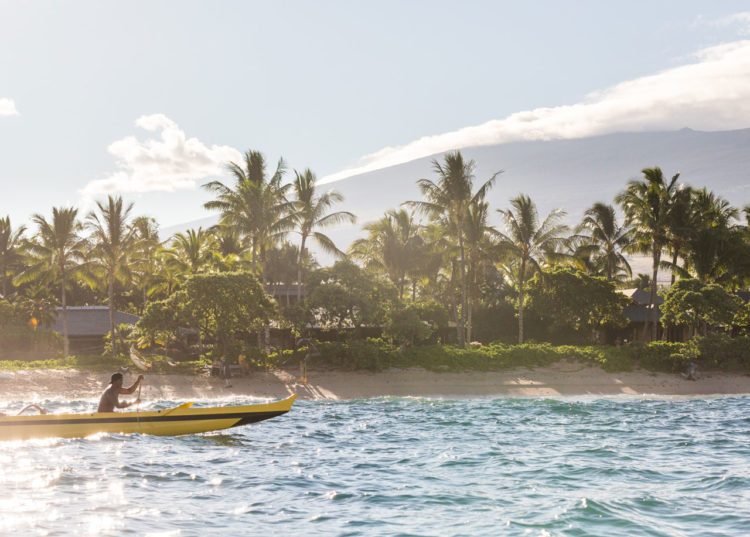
526 242
56 256
310 213
572 300
113 246
647 204
10 253
222 305
345 296
404 325
449 199
697 305
162 318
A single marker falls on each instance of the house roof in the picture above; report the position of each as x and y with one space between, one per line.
90 320
636 313
640 296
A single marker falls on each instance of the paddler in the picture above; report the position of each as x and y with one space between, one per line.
111 396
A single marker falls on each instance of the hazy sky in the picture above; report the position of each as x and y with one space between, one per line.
150 98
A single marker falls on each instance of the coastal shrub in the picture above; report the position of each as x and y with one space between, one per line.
663 356
616 359
719 351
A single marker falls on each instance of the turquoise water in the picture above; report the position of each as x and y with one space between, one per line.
400 466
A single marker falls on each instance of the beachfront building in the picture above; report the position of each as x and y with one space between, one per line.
636 312
88 326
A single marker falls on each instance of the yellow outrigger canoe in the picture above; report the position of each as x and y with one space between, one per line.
167 422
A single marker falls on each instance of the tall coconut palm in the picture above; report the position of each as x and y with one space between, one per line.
526 241
450 197
146 251
56 255
601 230
10 253
112 245
679 224
479 246
646 204
311 213
391 246
257 205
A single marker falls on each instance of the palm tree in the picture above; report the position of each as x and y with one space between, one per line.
679 224
146 254
113 241
608 238
190 251
56 255
450 197
391 246
479 245
228 248
712 237
257 205
527 242
10 252
282 267
310 214
647 203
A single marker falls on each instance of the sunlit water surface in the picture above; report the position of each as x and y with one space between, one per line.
400 466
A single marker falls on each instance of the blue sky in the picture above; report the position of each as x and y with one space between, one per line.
148 98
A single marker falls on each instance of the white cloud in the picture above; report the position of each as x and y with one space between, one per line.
740 20
711 93
7 107
167 163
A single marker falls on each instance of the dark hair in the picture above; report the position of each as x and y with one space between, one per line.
115 377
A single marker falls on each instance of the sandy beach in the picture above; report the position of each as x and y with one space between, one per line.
563 378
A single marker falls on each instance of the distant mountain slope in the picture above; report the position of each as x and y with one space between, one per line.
566 174
573 174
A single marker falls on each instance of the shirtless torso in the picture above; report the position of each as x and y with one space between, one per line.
111 397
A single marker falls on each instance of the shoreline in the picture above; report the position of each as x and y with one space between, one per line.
562 379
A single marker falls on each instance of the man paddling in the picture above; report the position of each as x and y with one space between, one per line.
111 396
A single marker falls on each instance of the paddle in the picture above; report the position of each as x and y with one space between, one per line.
138 404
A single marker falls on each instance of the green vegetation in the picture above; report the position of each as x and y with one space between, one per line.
434 283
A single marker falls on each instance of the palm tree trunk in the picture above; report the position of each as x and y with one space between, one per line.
299 269
66 345
674 263
521 297
266 325
3 273
651 317
111 304
462 313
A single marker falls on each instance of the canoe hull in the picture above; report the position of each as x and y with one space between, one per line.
168 422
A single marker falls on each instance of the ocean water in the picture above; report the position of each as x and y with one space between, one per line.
400 466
